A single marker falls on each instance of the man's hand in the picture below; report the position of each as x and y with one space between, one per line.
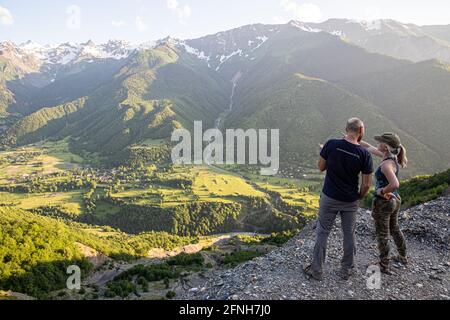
322 164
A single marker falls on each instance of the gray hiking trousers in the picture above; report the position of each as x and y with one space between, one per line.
329 209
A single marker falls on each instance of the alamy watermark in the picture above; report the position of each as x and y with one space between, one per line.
73 21
238 146
373 281
74 280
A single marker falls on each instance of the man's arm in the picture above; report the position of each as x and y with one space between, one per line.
365 186
322 164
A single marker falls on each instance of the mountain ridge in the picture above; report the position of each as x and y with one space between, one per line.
119 49
223 76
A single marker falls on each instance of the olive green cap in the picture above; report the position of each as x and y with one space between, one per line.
391 139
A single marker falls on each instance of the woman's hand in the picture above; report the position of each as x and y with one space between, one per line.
373 150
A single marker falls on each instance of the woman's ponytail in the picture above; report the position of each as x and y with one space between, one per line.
401 158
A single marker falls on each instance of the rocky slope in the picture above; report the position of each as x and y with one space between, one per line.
278 276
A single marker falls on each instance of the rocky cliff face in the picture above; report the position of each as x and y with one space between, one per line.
279 274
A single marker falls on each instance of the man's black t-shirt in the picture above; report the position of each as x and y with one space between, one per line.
345 162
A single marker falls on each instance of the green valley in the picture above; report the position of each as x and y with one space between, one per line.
70 212
86 175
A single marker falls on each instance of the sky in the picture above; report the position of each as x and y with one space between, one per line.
138 21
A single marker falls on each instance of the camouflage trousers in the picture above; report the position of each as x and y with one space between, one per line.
385 214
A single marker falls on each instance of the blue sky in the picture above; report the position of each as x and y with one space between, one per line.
56 21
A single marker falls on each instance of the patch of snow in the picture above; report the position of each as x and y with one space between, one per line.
368 25
374 25
71 52
262 40
304 27
338 33
31 46
146 45
224 58
199 54
93 51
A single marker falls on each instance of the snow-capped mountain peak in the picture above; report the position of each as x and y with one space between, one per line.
30 46
241 43
70 52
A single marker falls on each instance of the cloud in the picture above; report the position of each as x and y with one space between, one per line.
118 23
172 4
6 18
140 24
306 12
183 12
280 20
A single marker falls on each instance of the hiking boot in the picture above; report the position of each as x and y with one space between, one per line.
308 271
402 260
346 274
386 269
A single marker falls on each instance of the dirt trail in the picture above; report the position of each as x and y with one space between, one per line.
102 277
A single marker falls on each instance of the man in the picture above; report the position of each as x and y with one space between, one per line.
343 160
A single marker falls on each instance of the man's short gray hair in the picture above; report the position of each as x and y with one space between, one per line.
354 125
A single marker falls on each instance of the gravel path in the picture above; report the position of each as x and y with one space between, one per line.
278 276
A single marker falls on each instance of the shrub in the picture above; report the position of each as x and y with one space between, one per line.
185 260
121 288
171 294
236 258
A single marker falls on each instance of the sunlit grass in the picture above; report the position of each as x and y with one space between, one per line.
209 183
69 202
294 197
48 158
153 142
60 150
165 197
208 186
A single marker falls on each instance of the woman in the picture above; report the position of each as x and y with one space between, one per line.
387 201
